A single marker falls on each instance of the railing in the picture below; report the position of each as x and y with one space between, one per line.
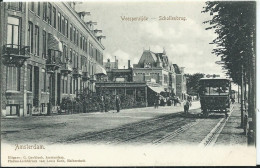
53 58
93 78
15 55
17 6
77 72
85 76
66 68
14 49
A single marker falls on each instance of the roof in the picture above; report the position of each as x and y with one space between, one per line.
176 69
147 56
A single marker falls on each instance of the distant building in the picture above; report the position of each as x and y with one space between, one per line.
155 68
181 87
111 65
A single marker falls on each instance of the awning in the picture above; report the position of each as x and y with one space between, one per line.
54 43
157 89
100 70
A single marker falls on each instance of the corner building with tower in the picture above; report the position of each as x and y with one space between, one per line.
48 52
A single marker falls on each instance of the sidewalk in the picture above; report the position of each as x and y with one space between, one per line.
232 134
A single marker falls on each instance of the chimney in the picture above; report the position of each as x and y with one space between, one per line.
182 70
129 65
116 64
108 60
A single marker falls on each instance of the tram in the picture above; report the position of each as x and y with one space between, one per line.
214 95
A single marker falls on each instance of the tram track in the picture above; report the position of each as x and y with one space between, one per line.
180 130
150 132
132 126
212 137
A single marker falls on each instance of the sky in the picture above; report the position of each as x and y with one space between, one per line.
186 42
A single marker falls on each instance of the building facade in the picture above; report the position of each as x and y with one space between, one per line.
48 52
181 86
155 68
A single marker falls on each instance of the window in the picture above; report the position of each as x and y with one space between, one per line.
66 28
13 32
71 32
65 85
77 38
74 60
50 13
74 34
29 77
44 44
62 84
77 60
31 6
38 8
74 84
12 109
37 40
13 78
54 17
30 33
70 55
64 58
63 25
80 40
44 87
86 45
59 22
70 85
83 43
17 6
45 11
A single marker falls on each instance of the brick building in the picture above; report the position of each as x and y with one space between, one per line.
155 68
48 52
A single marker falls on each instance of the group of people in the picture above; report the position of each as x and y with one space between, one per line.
104 106
159 100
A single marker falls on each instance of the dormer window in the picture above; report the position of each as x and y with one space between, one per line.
147 65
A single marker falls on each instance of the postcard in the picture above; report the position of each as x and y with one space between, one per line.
128 83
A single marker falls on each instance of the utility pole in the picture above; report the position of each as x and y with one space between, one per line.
238 94
242 94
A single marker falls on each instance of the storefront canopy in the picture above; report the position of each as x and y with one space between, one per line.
100 70
157 89
54 43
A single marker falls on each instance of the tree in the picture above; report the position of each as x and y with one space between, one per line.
235 24
193 83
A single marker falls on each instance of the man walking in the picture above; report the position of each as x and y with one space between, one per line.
118 103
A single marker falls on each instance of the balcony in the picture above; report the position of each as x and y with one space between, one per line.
77 72
66 69
93 78
15 55
53 61
85 76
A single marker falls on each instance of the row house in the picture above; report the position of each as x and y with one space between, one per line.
48 52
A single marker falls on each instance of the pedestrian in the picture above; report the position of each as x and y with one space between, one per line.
156 101
189 99
102 104
174 101
118 102
186 106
